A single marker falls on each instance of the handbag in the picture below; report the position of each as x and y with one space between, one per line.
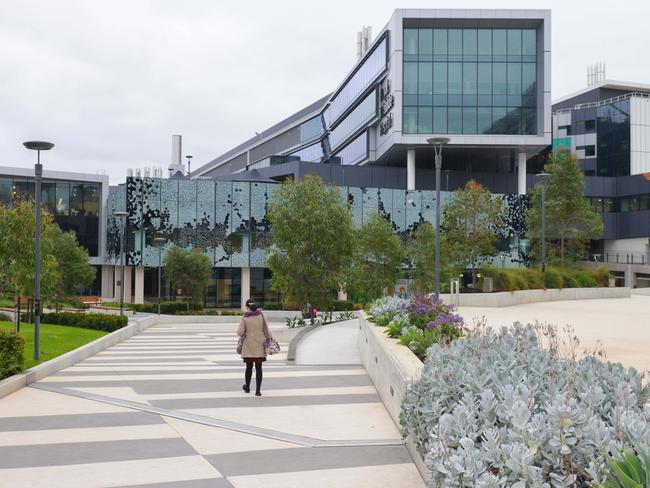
271 346
240 344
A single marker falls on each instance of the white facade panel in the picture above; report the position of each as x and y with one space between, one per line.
639 135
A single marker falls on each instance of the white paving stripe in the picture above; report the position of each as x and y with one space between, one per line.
341 390
172 367
204 376
106 475
94 434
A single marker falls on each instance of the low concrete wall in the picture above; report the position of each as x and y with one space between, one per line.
509 298
641 291
392 368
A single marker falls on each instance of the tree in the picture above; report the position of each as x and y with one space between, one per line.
422 254
17 253
470 224
377 259
570 220
75 273
189 271
312 234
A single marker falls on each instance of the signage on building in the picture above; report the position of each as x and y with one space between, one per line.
386 102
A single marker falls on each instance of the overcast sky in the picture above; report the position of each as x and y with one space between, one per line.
110 82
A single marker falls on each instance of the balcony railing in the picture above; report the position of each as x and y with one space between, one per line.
621 257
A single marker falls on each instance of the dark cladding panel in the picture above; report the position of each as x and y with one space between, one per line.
277 145
229 167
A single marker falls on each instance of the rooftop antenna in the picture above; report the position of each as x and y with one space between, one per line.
364 37
596 73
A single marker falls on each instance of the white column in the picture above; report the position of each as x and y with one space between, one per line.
108 283
342 295
245 286
521 173
410 169
127 285
139 284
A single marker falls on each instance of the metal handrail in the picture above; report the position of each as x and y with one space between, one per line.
621 257
607 101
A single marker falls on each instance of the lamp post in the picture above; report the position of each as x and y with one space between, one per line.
189 163
437 143
447 173
37 146
122 216
159 242
542 178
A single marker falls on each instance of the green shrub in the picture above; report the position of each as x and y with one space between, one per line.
172 308
272 306
358 306
12 347
533 278
631 470
95 321
585 279
500 278
600 275
518 279
396 326
568 278
553 278
343 305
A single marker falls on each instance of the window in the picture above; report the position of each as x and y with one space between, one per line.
410 41
91 199
590 125
5 192
77 199
312 129
62 198
364 112
589 150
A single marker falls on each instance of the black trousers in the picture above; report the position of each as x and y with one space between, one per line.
258 375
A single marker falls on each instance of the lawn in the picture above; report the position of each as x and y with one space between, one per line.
55 340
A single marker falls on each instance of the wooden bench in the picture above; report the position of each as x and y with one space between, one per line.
90 301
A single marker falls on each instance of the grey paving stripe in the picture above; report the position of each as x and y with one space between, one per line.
92 452
264 401
105 360
212 369
306 459
77 421
179 353
207 483
149 387
225 424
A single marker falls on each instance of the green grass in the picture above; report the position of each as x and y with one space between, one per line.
55 340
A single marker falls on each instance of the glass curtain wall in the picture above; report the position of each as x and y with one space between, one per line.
613 139
470 81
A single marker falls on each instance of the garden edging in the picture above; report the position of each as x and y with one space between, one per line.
392 368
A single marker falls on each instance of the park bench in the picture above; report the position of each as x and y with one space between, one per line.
90 301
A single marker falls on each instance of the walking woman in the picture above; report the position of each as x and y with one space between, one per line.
254 330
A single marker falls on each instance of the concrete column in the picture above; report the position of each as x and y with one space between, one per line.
139 284
629 277
127 285
245 286
342 295
521 173
108 283
410 169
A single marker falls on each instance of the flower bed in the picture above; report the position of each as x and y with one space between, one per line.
496 409
419 322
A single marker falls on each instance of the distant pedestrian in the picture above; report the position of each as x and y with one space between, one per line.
255 331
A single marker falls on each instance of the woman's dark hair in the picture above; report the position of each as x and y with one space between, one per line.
250 303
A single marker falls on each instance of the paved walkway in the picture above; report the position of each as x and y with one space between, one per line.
621 325
165 409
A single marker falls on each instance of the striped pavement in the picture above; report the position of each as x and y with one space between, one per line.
166 409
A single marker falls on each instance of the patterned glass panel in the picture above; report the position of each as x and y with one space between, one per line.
205 203
239 238
223 211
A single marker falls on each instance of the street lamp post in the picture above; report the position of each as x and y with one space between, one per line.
437 143
37 146
447 172
189 165
542 178
122 216
159 242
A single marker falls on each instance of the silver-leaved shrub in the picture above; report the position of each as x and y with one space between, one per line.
496 409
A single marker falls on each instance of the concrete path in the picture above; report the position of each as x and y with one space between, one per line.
166 409
621 325
331 344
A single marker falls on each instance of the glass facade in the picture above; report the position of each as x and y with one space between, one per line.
365 75
310 154
353 153
74 205
613 139
310 130
355 120
470 81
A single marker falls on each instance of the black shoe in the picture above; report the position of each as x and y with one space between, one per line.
258 393
247 389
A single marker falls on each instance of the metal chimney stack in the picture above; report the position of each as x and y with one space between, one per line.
364 36
177 150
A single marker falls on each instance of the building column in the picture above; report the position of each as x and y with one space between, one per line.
342 296
410 169
245 286
521 173
139 285
126 284
108 283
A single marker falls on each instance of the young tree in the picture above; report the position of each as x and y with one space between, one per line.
189 271
422 254
570 222
470 225
312 233
377 259
17 253
75 273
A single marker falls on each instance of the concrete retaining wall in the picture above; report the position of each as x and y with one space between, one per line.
392 368
509 298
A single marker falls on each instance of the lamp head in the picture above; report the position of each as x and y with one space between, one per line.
439 140
38 145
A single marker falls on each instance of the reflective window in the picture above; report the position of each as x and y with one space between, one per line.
370 69
48 196
312 129
471 69
353 153
77 199
91 199
5 192
62 198
310 154
613 139
364 112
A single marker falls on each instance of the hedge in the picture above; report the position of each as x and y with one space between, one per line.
512 279
12 347
95 321
167 308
